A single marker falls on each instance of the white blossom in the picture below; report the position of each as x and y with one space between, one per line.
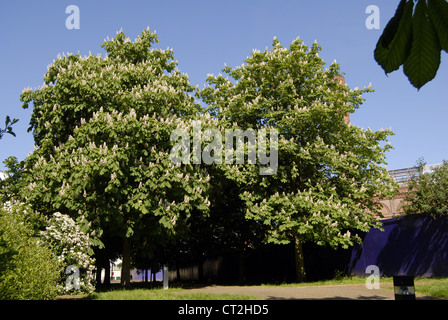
71 248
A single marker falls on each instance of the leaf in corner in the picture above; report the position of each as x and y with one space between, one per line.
392 26
398 37
438 13
424 59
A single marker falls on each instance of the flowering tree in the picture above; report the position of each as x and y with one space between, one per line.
102 128
328 168
71 247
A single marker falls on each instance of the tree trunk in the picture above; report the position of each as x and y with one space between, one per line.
126 264
98 274
299 260
241 268
107 272
201 271
177 272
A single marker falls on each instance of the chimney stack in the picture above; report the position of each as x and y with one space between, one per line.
341 81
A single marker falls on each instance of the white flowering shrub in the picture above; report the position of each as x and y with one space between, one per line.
71 246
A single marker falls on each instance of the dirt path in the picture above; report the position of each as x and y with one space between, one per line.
332 292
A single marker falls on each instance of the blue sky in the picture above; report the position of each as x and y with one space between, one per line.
206 34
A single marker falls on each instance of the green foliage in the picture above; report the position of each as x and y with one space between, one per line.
329 170
438 12
103 127
10 188
424 58
394 45
8 127
28 269
428 191
414 39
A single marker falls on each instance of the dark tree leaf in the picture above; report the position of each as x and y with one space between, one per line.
392 26
424 59
438 13
392 56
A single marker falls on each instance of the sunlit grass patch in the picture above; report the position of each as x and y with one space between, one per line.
160 294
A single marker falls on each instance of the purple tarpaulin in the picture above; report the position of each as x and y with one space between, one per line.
414 245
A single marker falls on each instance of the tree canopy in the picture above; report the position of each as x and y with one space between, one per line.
102 130
329 170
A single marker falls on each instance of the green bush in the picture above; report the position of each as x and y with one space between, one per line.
428 191
28 269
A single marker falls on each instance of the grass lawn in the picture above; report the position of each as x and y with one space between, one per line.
432 287
160 294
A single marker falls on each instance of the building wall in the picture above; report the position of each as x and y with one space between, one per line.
393 207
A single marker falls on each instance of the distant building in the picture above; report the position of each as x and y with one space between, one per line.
394 207
136 274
